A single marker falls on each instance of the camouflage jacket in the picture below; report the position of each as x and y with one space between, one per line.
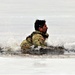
36 38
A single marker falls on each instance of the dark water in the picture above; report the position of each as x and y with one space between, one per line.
51 50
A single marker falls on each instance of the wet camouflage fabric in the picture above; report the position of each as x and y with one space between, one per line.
37 39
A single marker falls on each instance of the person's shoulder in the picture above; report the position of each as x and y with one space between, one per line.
37 35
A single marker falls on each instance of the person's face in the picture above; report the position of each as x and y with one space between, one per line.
43 29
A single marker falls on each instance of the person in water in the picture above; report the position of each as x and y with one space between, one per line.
36 38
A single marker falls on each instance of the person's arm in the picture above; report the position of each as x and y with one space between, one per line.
38 40
25 45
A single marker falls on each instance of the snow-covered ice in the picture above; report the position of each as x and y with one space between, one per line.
17 19
36 66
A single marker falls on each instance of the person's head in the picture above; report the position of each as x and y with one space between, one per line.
40 25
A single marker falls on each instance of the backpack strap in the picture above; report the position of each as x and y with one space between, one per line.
44 35
29 38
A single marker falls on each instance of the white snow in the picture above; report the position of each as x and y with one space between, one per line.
17 19
36 66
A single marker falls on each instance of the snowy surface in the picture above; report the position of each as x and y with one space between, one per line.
17 19
36 66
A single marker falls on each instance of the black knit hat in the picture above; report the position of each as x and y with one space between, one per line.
39 23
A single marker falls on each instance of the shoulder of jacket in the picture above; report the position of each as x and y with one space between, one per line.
37 35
